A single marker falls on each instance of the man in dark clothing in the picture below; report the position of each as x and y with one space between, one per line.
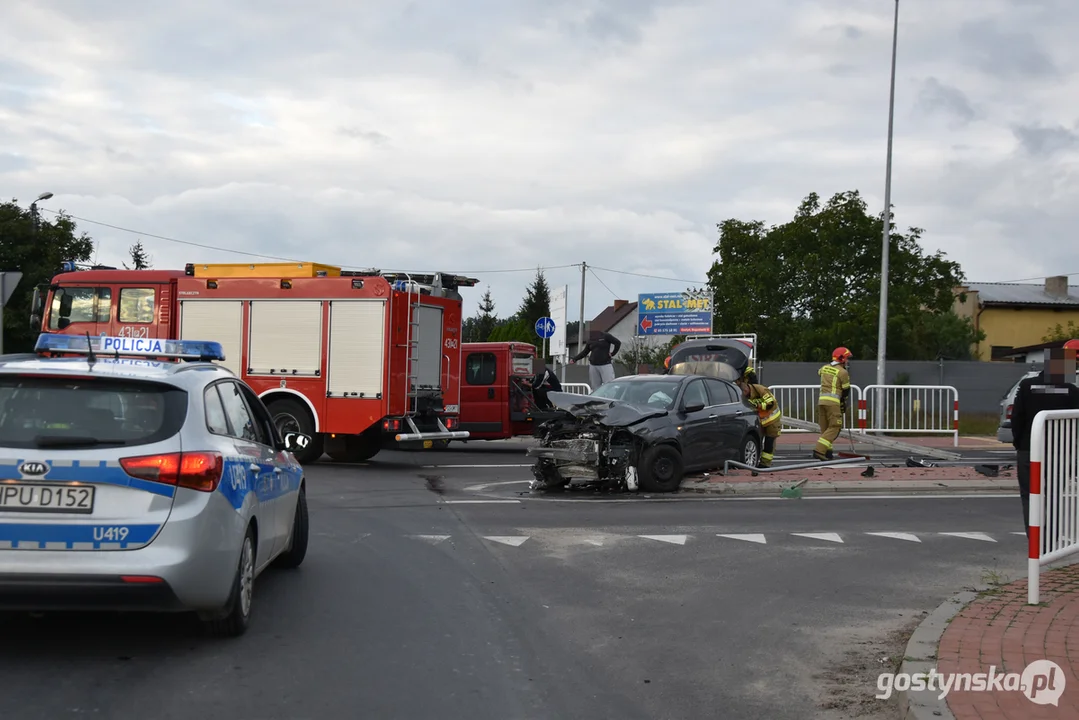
1054 389
599 351
546 381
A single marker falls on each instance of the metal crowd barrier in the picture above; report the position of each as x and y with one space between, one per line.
800 403
577 388
1053 525
911 409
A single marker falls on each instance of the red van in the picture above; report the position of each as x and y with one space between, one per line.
496 390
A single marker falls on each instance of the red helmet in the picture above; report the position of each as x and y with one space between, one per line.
1071 345
840 354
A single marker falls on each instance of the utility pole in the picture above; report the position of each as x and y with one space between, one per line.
882 330
580 320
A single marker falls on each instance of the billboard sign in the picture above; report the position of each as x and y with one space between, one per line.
558 314
677 313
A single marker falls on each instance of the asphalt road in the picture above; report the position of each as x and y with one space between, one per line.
417 601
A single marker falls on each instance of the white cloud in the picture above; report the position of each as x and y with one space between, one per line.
478 135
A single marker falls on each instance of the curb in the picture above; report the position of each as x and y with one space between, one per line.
825 488
921 656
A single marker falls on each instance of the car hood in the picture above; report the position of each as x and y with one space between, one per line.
613 413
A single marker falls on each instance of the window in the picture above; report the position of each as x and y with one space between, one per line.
79 305
243 426
268 431
137 305
695 394
70 413
481 369
720 392
216 421
659 392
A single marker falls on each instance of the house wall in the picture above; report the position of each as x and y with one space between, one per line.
1019 327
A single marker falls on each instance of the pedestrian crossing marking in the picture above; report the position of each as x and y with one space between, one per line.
831 537
748 537
897 536
514 540
673 539
971 536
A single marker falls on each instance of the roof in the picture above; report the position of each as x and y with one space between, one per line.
611 316
175 373
1032 348
1020 294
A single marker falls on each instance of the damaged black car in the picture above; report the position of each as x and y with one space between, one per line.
645 432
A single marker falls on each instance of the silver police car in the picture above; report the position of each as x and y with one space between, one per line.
138 475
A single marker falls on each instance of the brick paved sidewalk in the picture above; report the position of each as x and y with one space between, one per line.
1001 630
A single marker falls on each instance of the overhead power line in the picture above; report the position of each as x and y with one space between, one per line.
289 259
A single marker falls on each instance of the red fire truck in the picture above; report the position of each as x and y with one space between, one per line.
358 360
496 392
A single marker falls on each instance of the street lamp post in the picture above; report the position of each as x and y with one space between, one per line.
882 330
33 207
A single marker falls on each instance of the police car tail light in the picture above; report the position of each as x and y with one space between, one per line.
196 470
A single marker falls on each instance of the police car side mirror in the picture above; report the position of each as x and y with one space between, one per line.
296 441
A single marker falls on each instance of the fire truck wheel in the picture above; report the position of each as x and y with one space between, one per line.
290 415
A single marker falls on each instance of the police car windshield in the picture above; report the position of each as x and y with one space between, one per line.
87 412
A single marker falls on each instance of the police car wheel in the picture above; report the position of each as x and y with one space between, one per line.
238 611
297 549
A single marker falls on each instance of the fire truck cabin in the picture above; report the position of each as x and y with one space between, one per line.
359 360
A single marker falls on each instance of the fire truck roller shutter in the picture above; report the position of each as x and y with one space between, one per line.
427 361
357 348
285 337
218 321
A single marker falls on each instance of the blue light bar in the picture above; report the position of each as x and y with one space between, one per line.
129 347
68 266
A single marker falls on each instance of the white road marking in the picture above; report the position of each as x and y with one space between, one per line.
673 539
514 540
831 537
433 539
897 536
478 466
481 502
971 536
1018 533
751 537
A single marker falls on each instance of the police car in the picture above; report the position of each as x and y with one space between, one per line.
131 480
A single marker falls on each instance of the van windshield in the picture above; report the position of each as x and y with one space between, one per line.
39 412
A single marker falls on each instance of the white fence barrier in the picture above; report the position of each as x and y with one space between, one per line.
799 402
577 388
915 409
1053 525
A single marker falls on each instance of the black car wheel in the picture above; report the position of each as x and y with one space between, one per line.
751 451
660 469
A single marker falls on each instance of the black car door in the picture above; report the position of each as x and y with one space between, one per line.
698 427
731 416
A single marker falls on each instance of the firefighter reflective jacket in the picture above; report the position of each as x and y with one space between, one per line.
834 384
768 409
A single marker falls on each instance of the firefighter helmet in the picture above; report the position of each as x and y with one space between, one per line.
667 362
841 354
1072 345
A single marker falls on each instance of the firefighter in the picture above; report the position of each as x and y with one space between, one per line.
768 410
546 381
832 403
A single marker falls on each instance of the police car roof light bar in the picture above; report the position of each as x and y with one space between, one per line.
129 347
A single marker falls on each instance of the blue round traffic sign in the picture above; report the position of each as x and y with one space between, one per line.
545 327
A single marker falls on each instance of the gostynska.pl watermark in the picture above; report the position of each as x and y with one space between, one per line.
1042 682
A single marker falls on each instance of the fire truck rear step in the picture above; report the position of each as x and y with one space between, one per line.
442 434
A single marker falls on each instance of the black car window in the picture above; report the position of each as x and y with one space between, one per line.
720 392
695 394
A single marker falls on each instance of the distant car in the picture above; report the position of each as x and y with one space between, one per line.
135 484
1004 431
650 429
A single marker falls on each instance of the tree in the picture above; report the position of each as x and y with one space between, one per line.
813 283
486 320
37 250
1061 333
139 259
536 303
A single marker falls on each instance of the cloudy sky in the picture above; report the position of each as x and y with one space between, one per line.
485 136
